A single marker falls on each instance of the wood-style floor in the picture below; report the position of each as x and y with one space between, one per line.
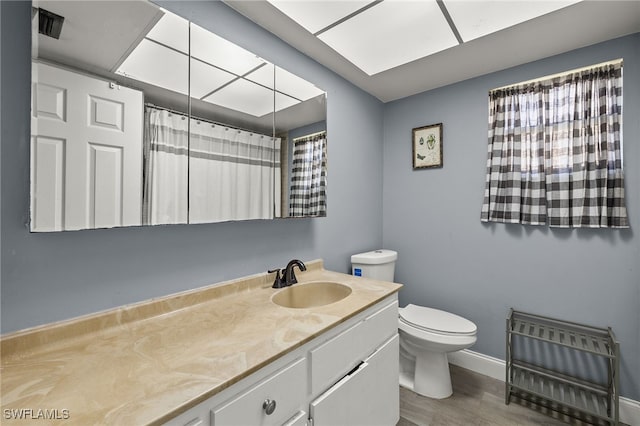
477 400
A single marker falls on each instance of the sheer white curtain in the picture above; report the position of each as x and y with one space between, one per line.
165 167
234 174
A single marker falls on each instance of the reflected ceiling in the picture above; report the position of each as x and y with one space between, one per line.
221 72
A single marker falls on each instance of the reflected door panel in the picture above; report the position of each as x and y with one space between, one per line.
87 142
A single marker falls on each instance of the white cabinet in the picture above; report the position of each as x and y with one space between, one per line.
271 402
337 356
346 376
300 419
367 396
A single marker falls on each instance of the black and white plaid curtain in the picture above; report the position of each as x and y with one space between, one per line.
554 152
307 195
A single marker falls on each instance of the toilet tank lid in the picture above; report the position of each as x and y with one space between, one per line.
375 257
436 320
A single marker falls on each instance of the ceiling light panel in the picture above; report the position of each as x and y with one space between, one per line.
391 33
148 63
475 19
221 53
173 31
315 15
244 96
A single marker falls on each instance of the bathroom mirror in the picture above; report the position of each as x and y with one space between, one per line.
300 123
140 117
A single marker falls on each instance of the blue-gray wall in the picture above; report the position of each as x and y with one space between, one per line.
448 259
49 277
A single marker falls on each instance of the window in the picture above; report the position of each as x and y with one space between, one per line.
555 151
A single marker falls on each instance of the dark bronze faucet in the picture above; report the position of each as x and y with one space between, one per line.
288 277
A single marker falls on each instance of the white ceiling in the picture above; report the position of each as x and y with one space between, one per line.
397 48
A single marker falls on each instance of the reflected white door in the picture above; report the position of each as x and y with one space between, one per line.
86 152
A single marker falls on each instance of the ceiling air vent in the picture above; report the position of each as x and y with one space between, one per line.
49 23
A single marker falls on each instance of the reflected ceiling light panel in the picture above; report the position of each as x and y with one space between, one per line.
263 75
315 15
171 30
221 53
206 79
286 82
283 101
295 86
148 63
244 96
474 19
391 33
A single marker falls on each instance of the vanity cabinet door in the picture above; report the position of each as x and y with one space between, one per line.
367 396
335 357
273 401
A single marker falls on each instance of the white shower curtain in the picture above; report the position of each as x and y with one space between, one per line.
165 167
234 174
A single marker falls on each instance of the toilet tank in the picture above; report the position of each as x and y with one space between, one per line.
376 264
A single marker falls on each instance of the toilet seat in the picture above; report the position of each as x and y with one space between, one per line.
436 321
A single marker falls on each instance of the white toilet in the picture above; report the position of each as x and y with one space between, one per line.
426 334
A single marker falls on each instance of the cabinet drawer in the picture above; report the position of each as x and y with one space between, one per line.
300 419
334 358
287 387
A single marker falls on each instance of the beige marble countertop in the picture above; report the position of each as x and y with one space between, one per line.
146 363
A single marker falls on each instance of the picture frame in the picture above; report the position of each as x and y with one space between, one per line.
427 146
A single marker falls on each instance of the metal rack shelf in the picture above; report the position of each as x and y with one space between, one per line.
556 389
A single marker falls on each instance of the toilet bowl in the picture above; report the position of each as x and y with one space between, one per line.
427 335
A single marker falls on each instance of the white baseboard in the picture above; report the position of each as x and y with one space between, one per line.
495 368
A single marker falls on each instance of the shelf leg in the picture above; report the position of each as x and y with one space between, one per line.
507 381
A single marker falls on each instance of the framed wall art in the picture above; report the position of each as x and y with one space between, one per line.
427 146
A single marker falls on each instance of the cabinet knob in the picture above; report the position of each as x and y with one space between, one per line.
269 406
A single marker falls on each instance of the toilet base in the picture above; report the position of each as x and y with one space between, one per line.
431 376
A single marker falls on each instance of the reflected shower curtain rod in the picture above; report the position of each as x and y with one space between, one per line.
206 120
309 135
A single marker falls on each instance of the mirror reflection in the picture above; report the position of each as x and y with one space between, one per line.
140 117
302 126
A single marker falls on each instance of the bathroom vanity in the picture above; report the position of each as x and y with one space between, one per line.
222 355
346 376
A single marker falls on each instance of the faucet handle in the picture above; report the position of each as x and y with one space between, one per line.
278 282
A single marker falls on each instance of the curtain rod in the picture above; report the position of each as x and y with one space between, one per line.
206 120
548 77
309 135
